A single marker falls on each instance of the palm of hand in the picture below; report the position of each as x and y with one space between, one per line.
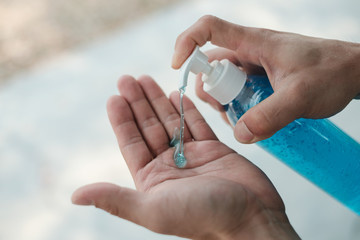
218 191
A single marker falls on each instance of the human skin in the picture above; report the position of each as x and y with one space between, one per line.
311 77
218 195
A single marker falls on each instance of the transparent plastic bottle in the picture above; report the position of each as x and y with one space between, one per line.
316 149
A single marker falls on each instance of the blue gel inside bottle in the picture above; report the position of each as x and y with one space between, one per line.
317 149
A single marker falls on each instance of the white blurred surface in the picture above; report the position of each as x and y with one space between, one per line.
55 136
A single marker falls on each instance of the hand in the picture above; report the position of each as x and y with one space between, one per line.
311 77
219 194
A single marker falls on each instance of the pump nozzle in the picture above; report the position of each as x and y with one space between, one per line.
222 79
196 63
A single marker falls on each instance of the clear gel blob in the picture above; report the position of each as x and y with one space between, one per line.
178 137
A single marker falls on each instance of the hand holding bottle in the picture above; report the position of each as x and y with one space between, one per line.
311 77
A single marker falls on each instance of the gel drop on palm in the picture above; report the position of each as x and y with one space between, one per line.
317 149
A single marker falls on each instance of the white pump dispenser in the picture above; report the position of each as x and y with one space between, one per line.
222 79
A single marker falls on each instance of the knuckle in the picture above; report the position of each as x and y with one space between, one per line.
172 117
200 124
150 122
259 122
207 19
187 38
262 124
108 208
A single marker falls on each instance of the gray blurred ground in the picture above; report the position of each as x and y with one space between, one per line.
32 31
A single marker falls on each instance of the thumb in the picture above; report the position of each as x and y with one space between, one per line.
119 201
266 118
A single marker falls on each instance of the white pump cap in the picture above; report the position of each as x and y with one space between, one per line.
222 80
196 63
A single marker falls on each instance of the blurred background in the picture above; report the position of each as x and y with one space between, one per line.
32 31
59 63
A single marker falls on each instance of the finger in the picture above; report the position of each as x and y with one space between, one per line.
119 201
149 125
223 34
148 210
232 56
162 106
132 145
199 90
197 125
267 117
222 53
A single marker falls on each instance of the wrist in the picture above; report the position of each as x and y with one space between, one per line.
267 224
357 60
354 63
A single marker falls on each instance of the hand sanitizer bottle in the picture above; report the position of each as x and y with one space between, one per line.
317 149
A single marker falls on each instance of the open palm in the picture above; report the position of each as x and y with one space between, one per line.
218 195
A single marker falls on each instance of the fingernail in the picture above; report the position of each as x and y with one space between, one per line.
243 134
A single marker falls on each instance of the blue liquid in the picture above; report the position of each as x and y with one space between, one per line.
180 161
317 149
179 158
178 136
